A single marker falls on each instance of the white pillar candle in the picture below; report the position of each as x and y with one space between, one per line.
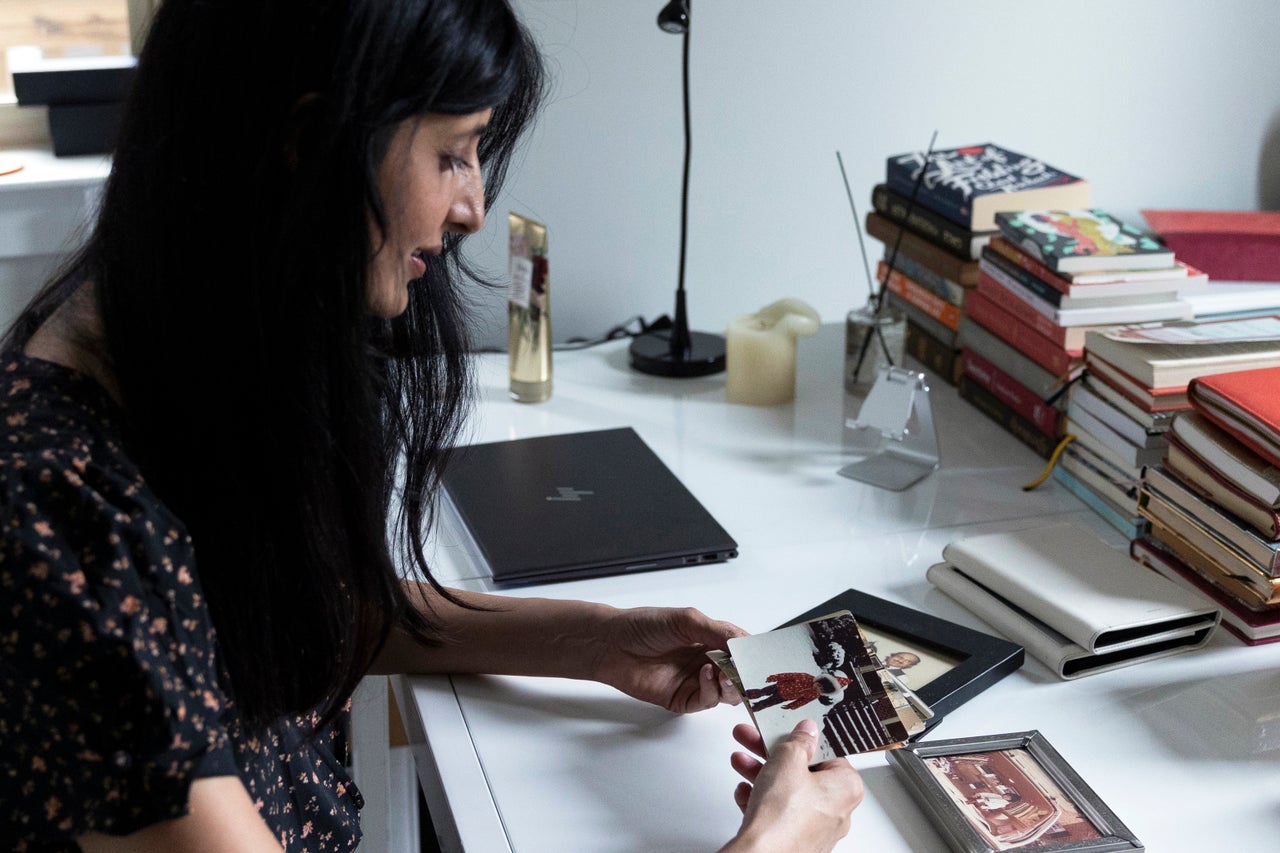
760 352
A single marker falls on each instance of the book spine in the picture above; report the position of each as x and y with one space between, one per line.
1010 252
933 353
928 302
1044 352
1004 415
1235 585
1157 509
939 260
1028 374
934 227
1230 427
1014 273
1193 473
940 198
1046 418
1131 528
996 287
1230 530
952 291
921 319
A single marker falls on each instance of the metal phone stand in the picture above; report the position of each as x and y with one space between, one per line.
905 453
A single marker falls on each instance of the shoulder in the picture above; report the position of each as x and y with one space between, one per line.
109 692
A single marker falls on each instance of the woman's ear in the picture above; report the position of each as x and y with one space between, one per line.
302 121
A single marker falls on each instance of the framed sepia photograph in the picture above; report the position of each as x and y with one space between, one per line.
943 663
1008 792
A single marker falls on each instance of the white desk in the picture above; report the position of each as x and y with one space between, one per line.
530 765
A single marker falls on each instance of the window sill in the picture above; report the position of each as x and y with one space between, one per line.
40 169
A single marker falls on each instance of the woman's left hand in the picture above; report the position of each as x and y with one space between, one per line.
659 655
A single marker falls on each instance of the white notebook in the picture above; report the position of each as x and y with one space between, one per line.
1076 604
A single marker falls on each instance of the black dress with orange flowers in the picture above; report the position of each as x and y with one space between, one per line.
111 701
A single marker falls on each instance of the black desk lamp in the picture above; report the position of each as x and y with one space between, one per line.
676 351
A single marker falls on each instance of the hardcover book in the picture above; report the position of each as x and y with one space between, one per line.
1047 353
1252 626
1207 481
1232 530
827 671
933 354
1079 240
932 256
1235 462
1210 569
1130 526
1230 245
1245 404
970 184
1174 364
1004 415
1180 276
1047 418
952 236
1061 294
974 336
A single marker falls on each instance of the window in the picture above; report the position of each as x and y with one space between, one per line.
62 28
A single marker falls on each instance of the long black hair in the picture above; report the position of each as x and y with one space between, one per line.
266 408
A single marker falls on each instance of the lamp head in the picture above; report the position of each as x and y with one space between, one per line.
674 17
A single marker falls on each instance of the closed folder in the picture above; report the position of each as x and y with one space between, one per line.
1076 604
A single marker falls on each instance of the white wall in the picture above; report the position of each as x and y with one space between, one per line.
1159 103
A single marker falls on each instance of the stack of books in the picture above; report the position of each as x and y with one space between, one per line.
1052 277
1135 386
1214 502
935 223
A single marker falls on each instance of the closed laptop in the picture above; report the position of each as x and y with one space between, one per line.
576 505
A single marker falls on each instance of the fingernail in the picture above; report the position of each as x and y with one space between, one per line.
809 727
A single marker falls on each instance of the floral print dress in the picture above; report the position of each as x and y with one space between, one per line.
110 686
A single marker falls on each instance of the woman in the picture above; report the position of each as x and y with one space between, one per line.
256 362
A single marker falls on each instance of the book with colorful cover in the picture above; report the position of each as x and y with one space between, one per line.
971 183
1181 276
1245 403
1080 240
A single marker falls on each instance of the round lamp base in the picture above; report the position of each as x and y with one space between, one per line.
651 353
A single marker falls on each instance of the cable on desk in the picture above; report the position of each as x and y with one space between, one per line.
629 328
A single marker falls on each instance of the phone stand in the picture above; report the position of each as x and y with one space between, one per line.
902 452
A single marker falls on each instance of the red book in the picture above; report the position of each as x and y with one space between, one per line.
1245 403
1044 352
1151 399
1067 338
1229 245
1046 418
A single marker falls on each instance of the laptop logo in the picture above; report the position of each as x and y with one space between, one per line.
566 493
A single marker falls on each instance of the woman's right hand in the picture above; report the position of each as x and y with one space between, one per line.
786 805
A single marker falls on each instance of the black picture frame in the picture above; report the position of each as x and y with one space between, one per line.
957 818
983 659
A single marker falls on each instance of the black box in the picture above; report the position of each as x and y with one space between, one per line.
73 81
84 128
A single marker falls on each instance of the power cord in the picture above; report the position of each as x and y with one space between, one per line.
629 328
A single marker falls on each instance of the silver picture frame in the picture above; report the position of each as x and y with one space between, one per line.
1003 792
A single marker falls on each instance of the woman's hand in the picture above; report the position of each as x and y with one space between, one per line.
659 655
786 805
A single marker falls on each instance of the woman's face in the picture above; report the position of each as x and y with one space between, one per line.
430 184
